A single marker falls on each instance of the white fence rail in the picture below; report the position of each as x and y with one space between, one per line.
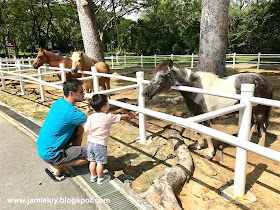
191 60
245 108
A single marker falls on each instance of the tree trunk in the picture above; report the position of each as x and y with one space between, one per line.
118 33
213 37
161 193
92 43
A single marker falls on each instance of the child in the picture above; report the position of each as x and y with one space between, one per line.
98 126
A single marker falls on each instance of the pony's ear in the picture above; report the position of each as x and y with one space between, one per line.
40 49
71 52
170 63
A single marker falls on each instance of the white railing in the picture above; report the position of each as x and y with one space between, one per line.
245 110
191 60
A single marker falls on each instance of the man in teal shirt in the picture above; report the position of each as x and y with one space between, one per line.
60 138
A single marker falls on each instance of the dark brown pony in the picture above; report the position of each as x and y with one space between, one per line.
54 60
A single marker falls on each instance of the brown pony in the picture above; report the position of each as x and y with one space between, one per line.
80 61
54 60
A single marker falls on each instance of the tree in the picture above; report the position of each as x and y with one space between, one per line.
213 37
92 43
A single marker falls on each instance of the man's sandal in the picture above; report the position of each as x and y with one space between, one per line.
55 176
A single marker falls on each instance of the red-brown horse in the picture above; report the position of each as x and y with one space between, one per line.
54 60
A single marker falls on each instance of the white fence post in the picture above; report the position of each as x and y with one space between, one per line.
244 125
141 61
124 60
155 60
259 60
29 61
2 77
95 79
171 56
20 78
141 104
63 73
112 60
192 61
41 86
233 60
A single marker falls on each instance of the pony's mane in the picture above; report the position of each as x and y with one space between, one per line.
209 75
87 60
163 67
48 53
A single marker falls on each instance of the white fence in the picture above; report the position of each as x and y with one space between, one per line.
245 110
254 59
191 60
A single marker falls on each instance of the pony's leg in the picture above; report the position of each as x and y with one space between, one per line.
262 138
107 81
210 151
200 141
253 129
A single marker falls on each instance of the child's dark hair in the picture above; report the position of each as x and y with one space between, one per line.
98 101
71 85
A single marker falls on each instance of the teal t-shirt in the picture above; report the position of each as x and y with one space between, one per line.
58 127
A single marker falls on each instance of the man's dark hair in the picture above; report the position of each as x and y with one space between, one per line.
98 101
71 85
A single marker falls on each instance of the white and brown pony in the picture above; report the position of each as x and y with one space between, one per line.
80 61
167 75
46 57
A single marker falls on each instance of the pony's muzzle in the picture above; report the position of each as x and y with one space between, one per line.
35 65
146 94
74 71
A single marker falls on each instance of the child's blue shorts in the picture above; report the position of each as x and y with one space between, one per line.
97 153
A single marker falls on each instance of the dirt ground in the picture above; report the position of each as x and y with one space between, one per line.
138 165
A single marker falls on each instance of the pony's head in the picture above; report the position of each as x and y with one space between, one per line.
161 81
40 59
76 61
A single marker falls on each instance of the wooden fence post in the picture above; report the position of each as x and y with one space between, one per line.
63 73
42 92
124 60
112 60
192 61
259 60
21 82
2 76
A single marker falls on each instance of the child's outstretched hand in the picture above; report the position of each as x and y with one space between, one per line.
131 115
128 116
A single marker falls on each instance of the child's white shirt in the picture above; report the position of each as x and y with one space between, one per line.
98 127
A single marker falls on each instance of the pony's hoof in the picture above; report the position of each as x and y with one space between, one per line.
195 147
209 155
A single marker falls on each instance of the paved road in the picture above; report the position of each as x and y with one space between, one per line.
22 169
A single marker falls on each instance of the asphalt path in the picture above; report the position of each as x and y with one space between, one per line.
21 172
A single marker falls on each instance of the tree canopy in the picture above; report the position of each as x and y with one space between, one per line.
164 26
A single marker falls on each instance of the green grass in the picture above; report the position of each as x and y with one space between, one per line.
39 115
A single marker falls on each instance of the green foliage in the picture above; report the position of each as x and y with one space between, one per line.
165 26
255 28
169 27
